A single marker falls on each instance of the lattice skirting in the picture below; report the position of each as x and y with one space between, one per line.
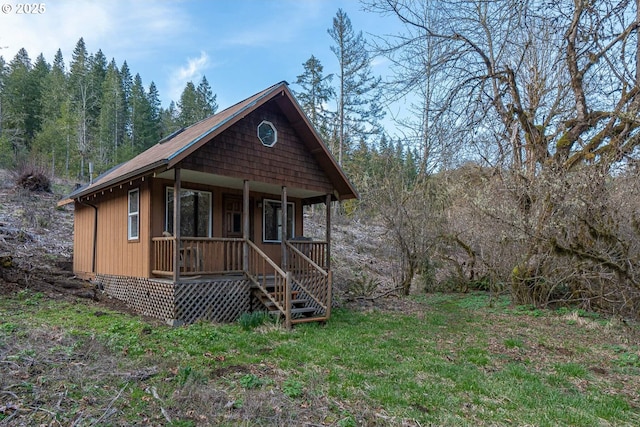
221 300
216 301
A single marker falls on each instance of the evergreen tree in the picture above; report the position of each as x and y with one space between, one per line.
189 106
315 95
17 102
127 84
82 101
97 74
55 88
37 79
206 100
141 121
5 144
52 142
359 111
169 120
3 77
153 96
112 117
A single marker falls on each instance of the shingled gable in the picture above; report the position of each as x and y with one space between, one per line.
175 148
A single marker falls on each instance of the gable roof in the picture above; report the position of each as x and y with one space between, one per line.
177 146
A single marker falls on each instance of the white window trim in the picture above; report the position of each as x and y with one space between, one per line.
275 133
132 214
293 220
166 208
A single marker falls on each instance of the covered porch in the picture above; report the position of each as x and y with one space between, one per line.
296 284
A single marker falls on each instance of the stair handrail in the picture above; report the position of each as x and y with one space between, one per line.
306 258
275 266
322 304
286 309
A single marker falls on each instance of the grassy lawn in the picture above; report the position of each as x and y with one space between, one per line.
438 359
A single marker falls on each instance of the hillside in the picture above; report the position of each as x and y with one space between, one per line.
36 247
36 243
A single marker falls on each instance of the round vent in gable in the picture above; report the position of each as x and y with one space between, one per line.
267 133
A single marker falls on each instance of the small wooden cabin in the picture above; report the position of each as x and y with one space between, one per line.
233 240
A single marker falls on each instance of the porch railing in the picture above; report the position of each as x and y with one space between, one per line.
308 274
306 267
315 250
198 255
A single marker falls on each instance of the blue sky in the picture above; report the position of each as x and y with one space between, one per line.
242 46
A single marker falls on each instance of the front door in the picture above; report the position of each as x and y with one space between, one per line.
232 216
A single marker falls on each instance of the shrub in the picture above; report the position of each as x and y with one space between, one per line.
255 319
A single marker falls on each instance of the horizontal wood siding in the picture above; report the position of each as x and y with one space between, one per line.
116 255
83 240
158 212
238 153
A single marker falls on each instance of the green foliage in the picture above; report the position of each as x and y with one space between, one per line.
250 381
513 343
7 157
440 363
362 284
292 388
92 112
252 320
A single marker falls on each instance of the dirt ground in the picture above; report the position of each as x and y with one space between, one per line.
36 245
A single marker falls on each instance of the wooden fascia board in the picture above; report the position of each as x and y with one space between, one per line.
136 174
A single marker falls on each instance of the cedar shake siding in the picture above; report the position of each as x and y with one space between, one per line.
238 153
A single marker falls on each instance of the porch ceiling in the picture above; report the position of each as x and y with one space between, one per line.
237 183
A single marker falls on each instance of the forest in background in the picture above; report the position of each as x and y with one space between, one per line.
514 169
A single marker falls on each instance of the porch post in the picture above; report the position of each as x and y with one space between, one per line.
328 255
328 231
284 233
245 225
176 225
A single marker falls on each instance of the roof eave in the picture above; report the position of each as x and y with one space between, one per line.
116 181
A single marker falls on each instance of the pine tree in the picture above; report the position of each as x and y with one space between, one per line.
141 132
190 110
6 154
112 117
359 111
52 142
127 84
315 95
169 120
82 101
17 97
153 96
205 99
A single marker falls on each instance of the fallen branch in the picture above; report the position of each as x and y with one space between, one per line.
384 294
108 409
165 414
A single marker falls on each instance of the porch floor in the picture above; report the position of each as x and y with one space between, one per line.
200 278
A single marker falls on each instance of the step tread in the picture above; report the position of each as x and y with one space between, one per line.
301 310
270 303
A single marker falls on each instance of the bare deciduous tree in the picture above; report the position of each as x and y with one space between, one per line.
550 93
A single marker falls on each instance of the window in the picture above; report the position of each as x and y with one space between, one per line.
272 221
195 213
267 133
134 215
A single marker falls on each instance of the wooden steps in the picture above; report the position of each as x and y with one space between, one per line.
301 310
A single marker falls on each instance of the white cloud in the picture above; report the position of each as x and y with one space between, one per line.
121 28
191 71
